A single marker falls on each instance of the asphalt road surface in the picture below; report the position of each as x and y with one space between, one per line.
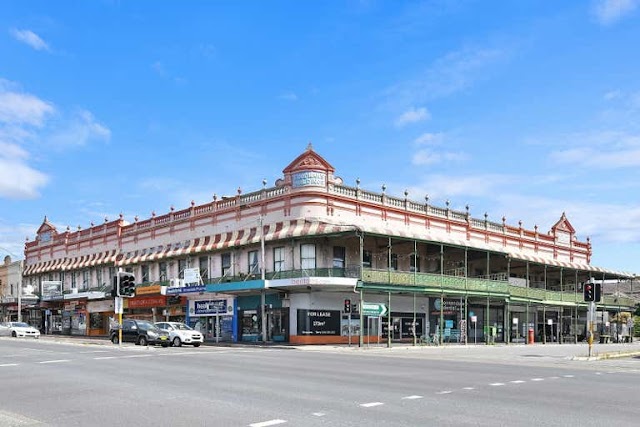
46 383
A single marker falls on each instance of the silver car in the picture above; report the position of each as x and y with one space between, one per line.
181 333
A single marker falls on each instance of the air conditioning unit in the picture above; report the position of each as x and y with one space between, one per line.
177 283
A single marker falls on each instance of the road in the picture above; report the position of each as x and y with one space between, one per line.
46 383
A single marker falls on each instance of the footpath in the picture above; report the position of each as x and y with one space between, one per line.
566 351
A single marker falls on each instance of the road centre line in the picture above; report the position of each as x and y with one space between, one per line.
136 355
469 388
537 379
55 361
9 364
268 423
371 404
444 392
318 414
413 397
496 384
105 357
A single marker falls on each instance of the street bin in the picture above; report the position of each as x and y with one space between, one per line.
531 336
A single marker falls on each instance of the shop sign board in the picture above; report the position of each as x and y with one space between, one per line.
147 290
51 290
319 322
191 275
147 302
186 290
211 307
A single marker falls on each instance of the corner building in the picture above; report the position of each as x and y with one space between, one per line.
285 264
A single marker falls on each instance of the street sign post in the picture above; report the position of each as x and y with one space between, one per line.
372 309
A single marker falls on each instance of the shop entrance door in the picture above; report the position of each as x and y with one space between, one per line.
278 324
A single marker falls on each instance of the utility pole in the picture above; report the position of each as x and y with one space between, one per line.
263 297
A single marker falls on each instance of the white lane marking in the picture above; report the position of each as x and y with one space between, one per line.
136 355
318 414
267 423
444 392
469 388
570 376
56 361
537 379
94 351
9 364
598 373
496 384
371 404
554 378
104 357
516 382
413 397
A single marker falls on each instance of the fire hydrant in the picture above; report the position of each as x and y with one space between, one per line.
531 336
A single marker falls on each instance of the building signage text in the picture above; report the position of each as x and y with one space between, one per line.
318 322
309 178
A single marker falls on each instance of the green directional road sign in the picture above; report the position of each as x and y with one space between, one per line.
373 309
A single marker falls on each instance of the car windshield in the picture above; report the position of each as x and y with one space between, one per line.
182 327
147 326
20 325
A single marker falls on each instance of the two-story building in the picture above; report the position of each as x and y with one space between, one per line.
312 260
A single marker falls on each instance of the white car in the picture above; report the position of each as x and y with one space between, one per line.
180 333
18 329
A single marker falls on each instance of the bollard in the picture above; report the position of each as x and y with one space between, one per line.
531 336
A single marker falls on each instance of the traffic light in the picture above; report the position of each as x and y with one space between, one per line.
127 282
589 291
596 298
347 306
115 291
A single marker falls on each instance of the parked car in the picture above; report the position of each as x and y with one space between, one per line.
18 329
140 332
181 333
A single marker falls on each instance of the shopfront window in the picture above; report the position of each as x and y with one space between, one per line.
415 263
163 271
278 258
182 264
366 259
145 274
308 256
226 264
99 276
203 263
253 266
339 253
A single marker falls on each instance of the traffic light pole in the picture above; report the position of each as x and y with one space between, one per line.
119 311
592 310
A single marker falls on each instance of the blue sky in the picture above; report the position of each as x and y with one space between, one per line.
520 109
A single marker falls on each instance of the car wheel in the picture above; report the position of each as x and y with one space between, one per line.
114 339
197 344
176 342
143 341
13 334
165 344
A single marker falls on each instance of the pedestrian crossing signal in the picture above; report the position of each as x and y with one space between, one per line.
347 306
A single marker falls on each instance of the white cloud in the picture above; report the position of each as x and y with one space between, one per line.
30 38
599 150
429 157
447 75
81 129
23 109
17 179
288 96
413 115
611 95
429 139
610 11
